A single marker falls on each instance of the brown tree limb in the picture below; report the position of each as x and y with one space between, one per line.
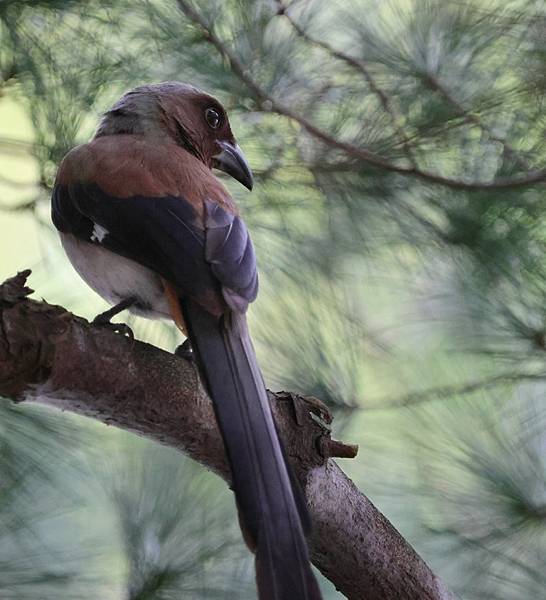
49 356
267 102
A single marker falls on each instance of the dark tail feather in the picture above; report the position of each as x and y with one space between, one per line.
269 511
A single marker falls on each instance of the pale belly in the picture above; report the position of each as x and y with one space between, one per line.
116 278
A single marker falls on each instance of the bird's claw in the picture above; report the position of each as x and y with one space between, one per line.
122 328
185 351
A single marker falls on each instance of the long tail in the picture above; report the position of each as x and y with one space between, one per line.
273 518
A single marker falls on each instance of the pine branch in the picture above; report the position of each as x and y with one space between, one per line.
267 102
52 357
17 184
361 67
473 118
451 391
14 146
29 205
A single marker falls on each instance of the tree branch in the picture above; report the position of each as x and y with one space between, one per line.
29 205
474 119
267 102
50 356
451 391
360 67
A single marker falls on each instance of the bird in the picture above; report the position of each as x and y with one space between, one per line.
147 225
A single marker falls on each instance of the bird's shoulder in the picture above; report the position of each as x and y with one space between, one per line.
128 166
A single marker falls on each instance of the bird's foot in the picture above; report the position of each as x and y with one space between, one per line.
185 350
122 328
104 319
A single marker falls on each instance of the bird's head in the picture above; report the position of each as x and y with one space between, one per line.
185 114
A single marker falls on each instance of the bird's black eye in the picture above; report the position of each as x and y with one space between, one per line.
213 118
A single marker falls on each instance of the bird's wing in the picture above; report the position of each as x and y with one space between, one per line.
198 244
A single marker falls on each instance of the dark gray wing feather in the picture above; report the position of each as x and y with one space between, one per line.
229 250
165 235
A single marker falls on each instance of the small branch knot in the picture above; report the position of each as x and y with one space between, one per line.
305 407
319 409
329 448
14 289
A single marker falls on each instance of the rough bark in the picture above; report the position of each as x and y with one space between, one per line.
49 356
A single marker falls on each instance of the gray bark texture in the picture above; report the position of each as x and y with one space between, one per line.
50 356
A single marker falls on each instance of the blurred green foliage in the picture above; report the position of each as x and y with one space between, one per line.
407 292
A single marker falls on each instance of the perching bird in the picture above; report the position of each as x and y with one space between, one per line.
148 226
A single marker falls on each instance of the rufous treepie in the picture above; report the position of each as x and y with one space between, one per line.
150 228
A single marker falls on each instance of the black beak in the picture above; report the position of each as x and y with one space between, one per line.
232 161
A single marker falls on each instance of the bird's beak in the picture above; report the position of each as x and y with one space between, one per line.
232 161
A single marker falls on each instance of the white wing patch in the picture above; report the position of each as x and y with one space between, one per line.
99 233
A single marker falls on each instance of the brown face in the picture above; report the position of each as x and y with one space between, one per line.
199 123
